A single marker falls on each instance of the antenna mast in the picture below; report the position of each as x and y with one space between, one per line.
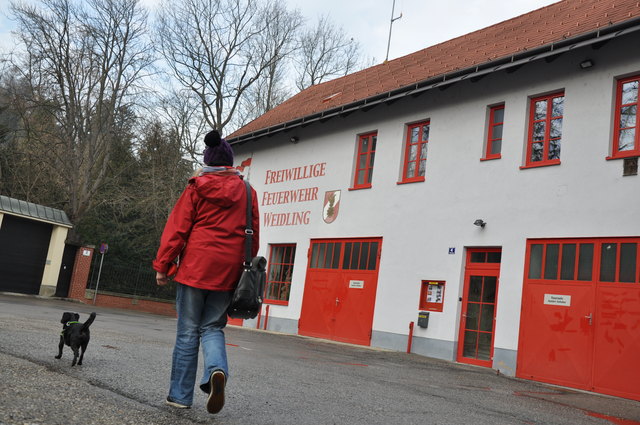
393 8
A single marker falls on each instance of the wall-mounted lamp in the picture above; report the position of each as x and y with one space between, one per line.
294 139
586 64
480 222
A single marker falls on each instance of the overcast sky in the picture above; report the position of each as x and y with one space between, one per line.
423 23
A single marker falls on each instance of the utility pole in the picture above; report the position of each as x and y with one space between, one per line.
393 9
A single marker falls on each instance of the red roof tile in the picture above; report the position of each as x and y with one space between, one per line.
550 24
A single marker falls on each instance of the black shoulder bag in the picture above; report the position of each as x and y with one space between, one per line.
247 297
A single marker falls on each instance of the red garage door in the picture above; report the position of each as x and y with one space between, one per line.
580 324
340 290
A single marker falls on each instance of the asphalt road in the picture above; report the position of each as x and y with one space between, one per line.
275 379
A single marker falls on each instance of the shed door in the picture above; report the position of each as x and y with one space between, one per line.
580 317
23 252
340 290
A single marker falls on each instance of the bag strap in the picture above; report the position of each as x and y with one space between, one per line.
248 231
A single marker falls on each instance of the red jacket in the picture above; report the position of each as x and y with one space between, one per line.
206 229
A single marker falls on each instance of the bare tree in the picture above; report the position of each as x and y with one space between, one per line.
325 52
219 48
82 62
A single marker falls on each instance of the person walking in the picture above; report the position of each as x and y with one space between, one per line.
206 231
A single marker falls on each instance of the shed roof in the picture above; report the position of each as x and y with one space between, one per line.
547 28
31 210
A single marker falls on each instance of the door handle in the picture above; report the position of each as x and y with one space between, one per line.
590 317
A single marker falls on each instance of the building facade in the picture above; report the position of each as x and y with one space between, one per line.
482 210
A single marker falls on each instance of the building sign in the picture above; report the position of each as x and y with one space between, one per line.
291 196
356 284
552 299
331 206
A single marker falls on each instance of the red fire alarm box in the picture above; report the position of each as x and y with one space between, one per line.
432 295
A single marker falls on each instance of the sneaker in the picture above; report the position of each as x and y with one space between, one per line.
215 400
173 403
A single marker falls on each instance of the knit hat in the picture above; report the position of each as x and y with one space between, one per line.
218 151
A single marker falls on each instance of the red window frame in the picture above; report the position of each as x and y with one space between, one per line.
618 129
491 137
364 160
546 121
417 146
279 272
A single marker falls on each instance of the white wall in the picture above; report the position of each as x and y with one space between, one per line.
585 196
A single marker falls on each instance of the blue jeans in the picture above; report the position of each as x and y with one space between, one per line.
202 315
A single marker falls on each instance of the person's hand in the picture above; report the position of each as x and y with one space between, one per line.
161 279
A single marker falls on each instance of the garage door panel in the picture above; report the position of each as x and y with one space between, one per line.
557 339
23 253
618 334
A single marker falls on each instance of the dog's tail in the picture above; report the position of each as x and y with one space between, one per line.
89 321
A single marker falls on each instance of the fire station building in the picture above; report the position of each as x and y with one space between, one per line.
477 201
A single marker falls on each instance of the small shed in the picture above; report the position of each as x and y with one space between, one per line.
32 247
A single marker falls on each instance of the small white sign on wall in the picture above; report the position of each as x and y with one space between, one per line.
357 284
552 299
86 252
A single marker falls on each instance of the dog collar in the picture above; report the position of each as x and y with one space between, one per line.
67 324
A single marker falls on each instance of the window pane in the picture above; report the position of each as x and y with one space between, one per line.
364 145
423 167
373 256
558 106
497 132
626 139
496 146
498 115
411 170
478 257
415 133
355 255
423 151
568 269
538 130
321 254
536 151
628 116
484 346
473 316
475 288
630 92
540 110
364 256
494 257
425 133
551 261
346 259
370 176
554 149
628 255
608 262
314 256
372 157
556 128
361 177
486 318
374 139
535 261
336 256
413 151
489 289
585 261
328 256
470 342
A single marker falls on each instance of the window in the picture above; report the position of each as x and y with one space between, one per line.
604 260
415 156
626 130
364 160
494 135
545 130
279 274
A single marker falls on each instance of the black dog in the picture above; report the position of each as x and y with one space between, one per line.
75 335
